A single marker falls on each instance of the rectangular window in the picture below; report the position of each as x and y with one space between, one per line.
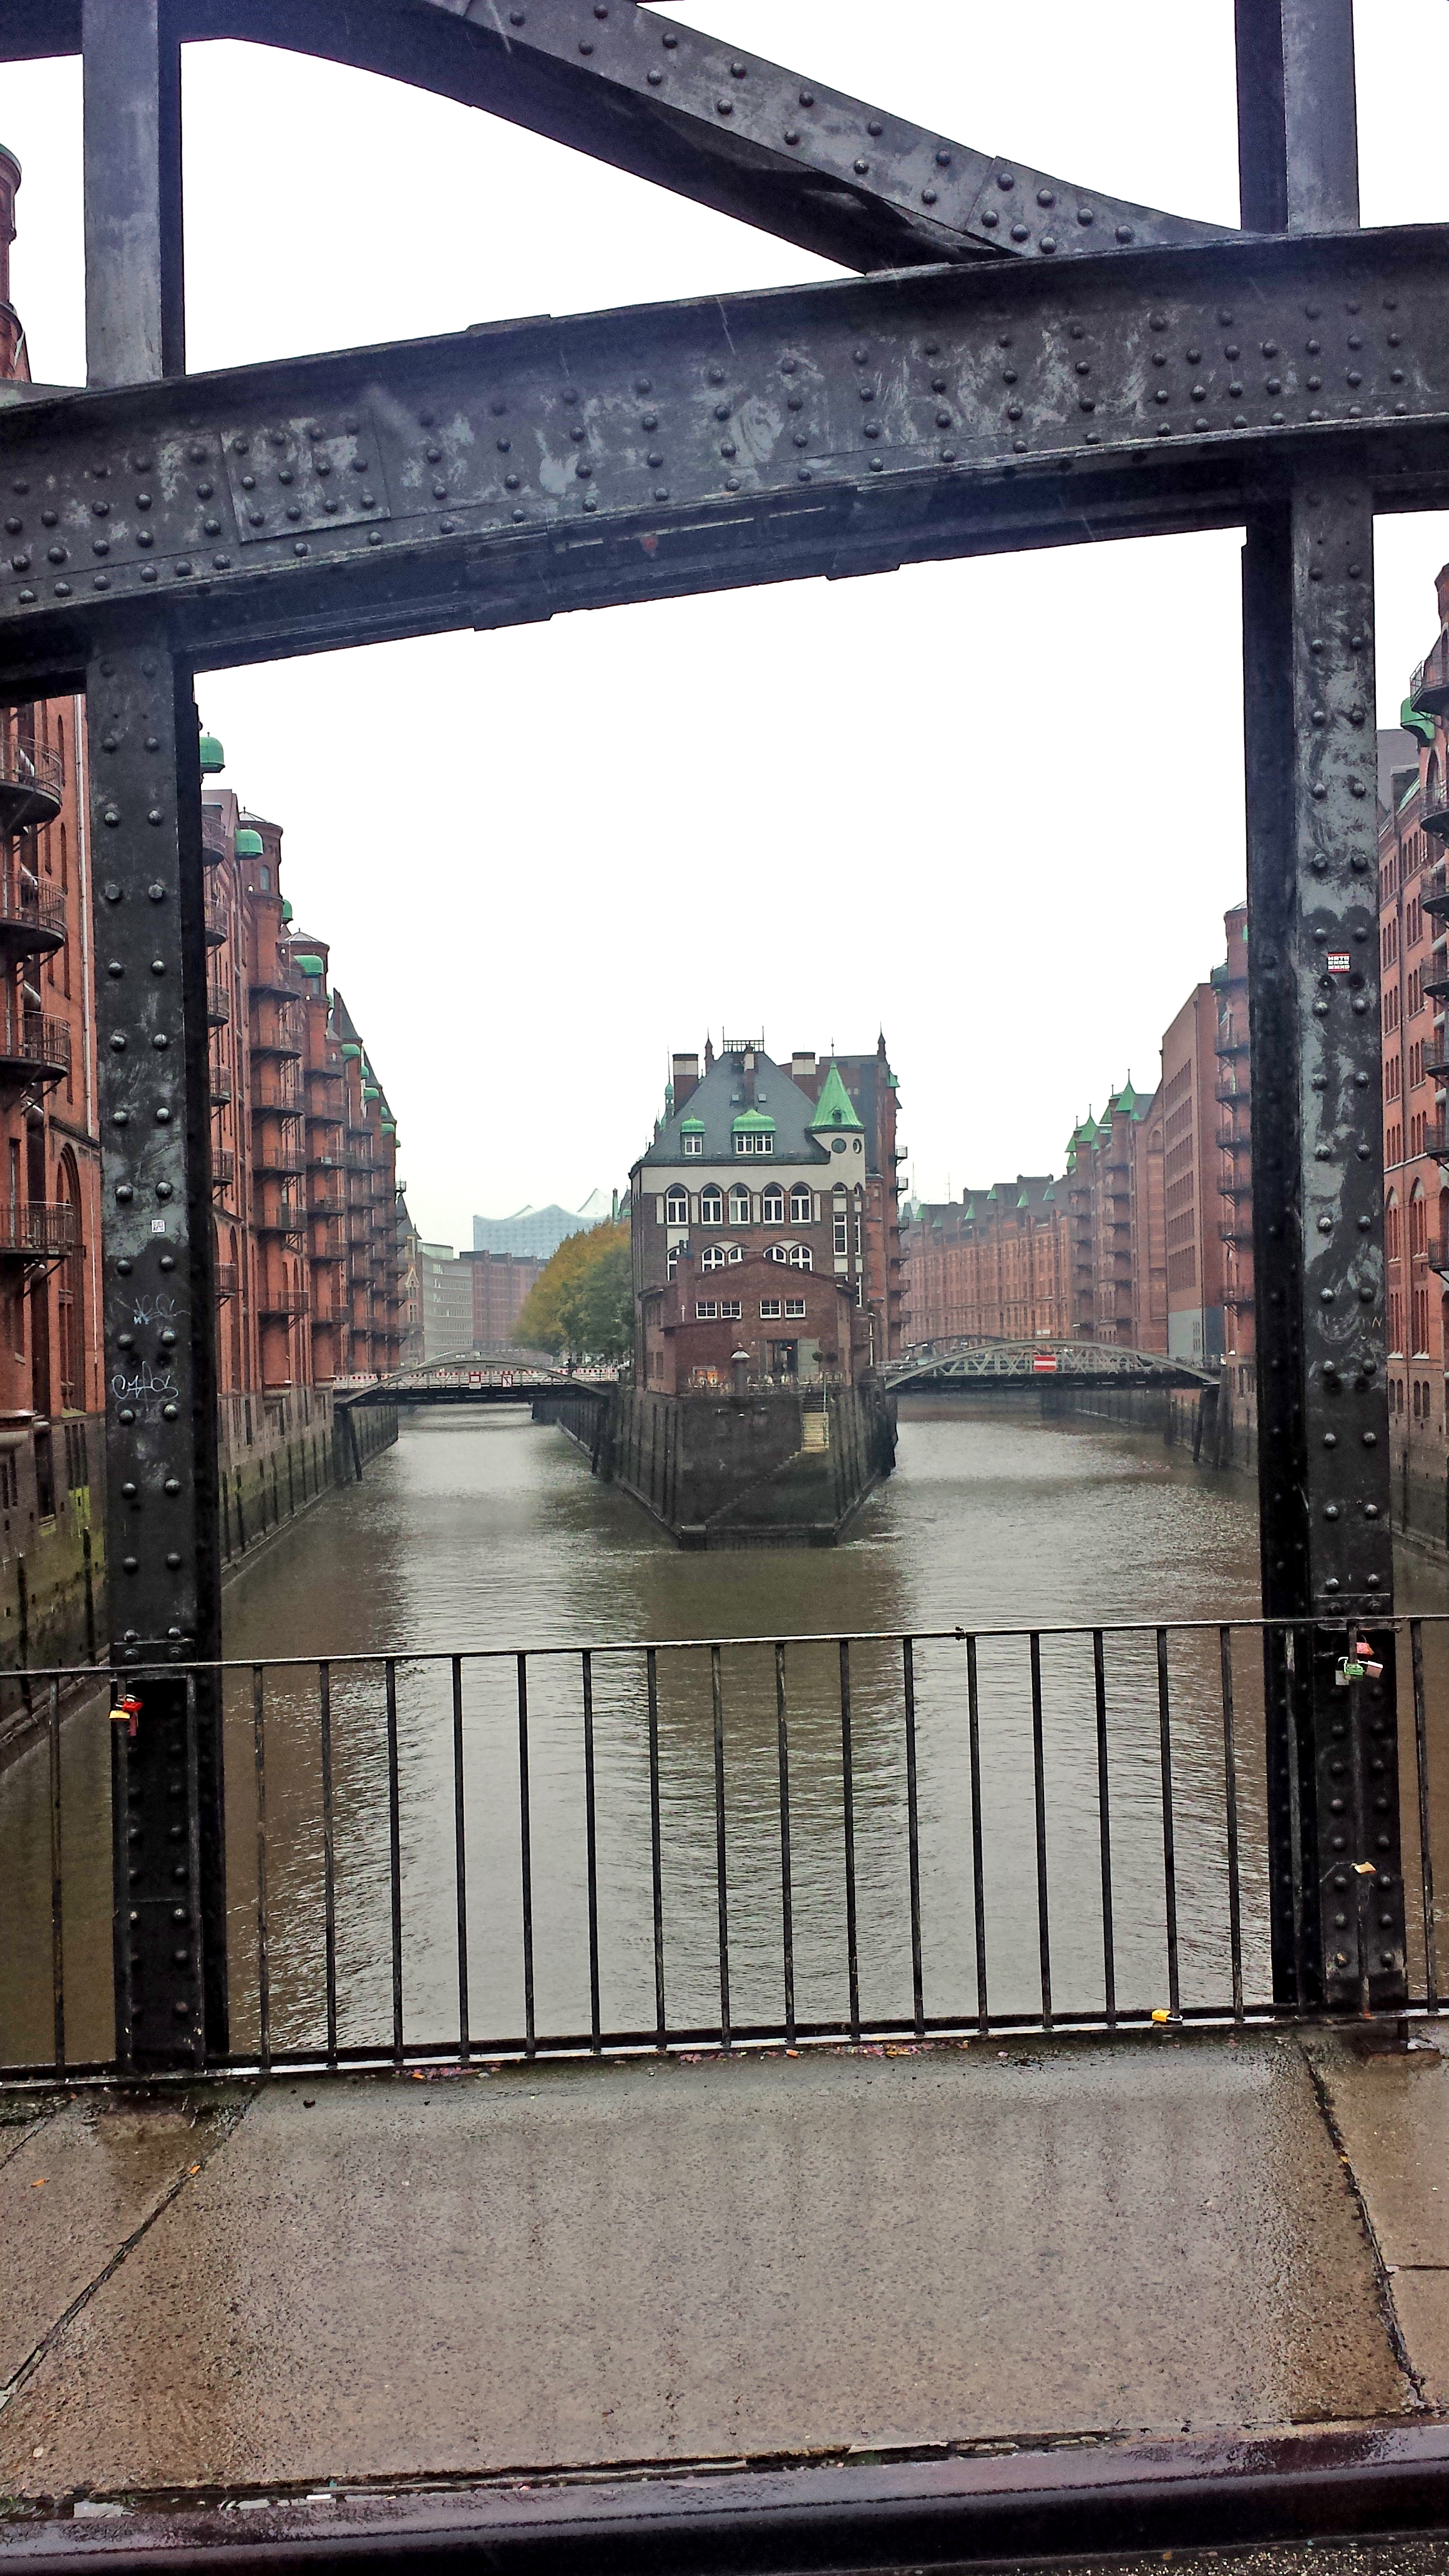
842 1234
692 1144
755 1141
795 1310
729 1308
769 1310
706 1309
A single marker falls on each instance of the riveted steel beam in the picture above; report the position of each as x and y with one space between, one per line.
652 96
502 473
132 151
159 1350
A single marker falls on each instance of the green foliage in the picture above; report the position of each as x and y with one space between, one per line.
582 1303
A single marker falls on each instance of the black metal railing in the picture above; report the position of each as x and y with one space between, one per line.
567 1851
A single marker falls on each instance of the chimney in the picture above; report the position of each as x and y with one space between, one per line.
802 1069
686 1078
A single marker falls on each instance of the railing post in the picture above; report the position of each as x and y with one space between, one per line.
158 1325
1324 1499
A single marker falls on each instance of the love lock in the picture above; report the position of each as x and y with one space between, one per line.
124 1712
1349 1670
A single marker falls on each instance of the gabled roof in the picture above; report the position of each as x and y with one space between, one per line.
711 1114
835 1108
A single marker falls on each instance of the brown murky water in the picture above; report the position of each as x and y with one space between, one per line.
484 1532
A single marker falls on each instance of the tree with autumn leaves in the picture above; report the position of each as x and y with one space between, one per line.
582 1303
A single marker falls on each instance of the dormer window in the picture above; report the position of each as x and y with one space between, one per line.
691 1136
711 1206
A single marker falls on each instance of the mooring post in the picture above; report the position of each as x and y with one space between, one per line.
1323 1473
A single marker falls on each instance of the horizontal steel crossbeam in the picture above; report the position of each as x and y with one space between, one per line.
501 474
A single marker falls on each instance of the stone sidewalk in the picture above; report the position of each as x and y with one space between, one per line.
748 2259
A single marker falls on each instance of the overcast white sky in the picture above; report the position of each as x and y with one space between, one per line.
994 808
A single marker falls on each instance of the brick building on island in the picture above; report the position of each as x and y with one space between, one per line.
765 1222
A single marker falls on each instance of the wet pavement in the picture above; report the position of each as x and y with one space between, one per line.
566 2268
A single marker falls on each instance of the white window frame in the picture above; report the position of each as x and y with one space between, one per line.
801 1257
755 1140
729 1310
802 1205
713 1257
772 1204
706 1310
739 1215
691 1145
770 1310
795 1310
676 1207
711 1204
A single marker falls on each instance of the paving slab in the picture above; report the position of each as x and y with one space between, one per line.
740 2258
75 2183
1391 2111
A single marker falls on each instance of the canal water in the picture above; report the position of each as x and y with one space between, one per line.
617 1832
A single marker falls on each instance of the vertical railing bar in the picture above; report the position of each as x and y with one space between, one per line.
716 1678
978 1865
847 1773
591 1855
57 1914
1290 1638
1169 1846
1230 1778
1038 1766
120 1866
525 1860
1361 1873
787 1893
1104 1831
913 1835
656 1856
329 1855
460 1861
264 1969
193 1865
1426 1848
394 1833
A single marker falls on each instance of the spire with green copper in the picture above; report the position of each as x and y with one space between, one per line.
835 1109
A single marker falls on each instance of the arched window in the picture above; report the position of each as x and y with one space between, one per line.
676 1207
802 1206
772 1205
801 1257
69 1286
711 1206
1391 1226
739 1205
1418 1224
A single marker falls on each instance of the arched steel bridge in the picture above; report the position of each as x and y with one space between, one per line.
1001 1367
464 1379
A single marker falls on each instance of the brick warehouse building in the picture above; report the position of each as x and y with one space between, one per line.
764 1221
281 1096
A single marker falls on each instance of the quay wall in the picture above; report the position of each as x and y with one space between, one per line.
775 1467
278 1453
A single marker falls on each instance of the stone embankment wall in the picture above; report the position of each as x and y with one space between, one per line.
278 1453
776 1467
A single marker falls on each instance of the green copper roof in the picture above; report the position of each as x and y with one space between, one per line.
752 1122
213 758
249 844
1132 1101
286 910
352 1052
834 1107
309 965
1414 723
370 1091
691 1126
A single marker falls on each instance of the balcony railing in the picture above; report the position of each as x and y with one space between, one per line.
215 843
33 1231
218 1002
1429 687
225 1278
32 918
34 1048
215 923
281 1162
1229 1045
278 1086
1228 1089
1233 1140
1234 1231
220 1086
223 1167
282 1301
32 778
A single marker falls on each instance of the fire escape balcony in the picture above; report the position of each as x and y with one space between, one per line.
329 1238
285 1302
223 1168
326 1199
224 1280
1434 807
1435 987
38 1231
1429 687
1237 1189
31 783
218 1002
1228 1089
33 1048
220 1085
1434 896
1228 1045
1231 1140
278 985
278 1088
214 843
32 920
279 1041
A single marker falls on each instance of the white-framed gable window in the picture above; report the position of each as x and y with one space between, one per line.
772 1205
769 1310
716 1255
711 1205
676 1207
802 1205
691 1141
739 1205
801 1257
706 1309
795 1310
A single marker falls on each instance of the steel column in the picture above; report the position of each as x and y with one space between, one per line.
1297 116
1323 1424
158 1325
132 147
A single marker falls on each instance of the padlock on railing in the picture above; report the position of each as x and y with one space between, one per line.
124 1712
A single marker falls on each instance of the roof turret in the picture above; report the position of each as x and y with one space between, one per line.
835 1108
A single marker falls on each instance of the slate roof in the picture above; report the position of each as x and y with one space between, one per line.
719 1100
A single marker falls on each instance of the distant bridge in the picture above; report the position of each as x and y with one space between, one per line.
463 1379
1000 1368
